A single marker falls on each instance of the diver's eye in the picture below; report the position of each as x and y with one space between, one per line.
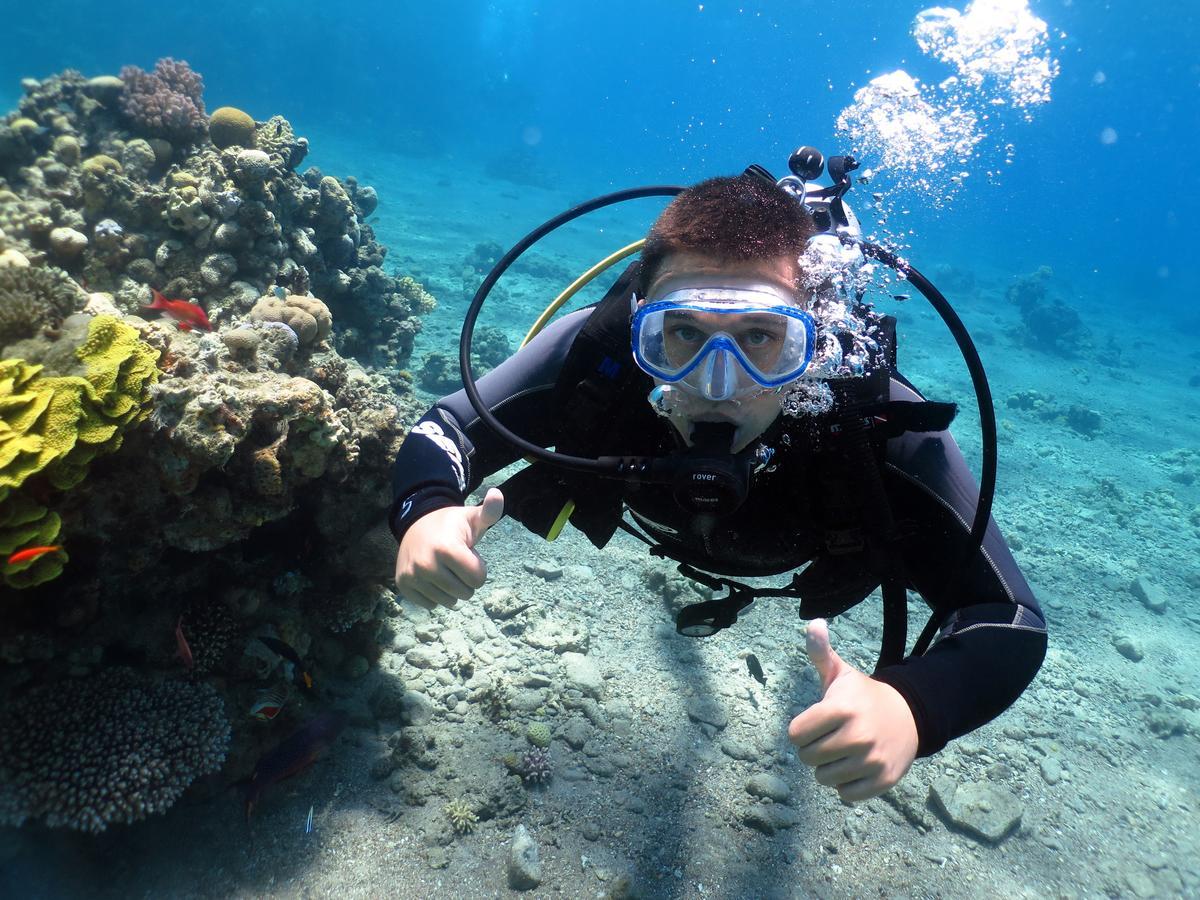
687 334
757 338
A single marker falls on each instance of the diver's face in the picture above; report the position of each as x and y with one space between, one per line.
753 414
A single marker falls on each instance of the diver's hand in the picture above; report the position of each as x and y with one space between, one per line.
860 737
437 563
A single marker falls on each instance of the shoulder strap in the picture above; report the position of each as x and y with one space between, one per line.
593 404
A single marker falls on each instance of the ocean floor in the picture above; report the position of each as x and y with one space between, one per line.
671 775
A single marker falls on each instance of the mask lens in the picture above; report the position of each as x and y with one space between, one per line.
723 347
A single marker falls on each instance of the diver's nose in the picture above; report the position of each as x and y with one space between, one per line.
719 379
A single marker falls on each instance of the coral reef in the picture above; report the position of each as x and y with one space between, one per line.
89 753
1048 324
236 476
489 348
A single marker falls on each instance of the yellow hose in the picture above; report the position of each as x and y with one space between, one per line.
578 284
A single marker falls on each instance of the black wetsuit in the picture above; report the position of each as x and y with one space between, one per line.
991 642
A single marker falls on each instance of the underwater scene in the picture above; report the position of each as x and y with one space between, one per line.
286 610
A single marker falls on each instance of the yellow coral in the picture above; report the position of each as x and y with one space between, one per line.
25 523
56 425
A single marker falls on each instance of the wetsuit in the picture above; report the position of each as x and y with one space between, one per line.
992 639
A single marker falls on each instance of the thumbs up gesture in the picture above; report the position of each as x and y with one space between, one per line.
437 564
860 737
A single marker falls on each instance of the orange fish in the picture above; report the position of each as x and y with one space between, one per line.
181 646
31 553
189 315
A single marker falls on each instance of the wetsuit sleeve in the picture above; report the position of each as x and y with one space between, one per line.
992 635
450 451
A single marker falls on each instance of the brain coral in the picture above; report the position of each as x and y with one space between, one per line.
114 748
307 316
231 127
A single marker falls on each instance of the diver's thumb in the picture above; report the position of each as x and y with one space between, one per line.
486 514
822 655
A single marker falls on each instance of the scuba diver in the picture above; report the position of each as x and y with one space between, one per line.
741 405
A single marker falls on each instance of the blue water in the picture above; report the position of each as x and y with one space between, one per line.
476 121
617 93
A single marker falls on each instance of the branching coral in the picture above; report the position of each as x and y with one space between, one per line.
167 102
114 748
461 815
535 766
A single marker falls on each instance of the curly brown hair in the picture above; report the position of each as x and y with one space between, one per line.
731 218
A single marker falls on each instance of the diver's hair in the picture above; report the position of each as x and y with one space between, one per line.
730 219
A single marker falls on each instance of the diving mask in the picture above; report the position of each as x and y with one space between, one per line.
723 343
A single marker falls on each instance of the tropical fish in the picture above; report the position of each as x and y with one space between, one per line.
181 646
755 668
269 703
189 315
308 826
288 652
293 755
31 553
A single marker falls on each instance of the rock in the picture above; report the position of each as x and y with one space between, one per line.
561 636
356 667
544 568
1128 647
425 657
67 243
524 867
771 817
575 733
1152 596
581 673
707 711
502 604
772 787
1052 770
986 811
736 749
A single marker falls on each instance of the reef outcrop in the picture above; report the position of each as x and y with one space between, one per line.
191 481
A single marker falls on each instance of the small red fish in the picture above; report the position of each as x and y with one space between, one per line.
181 647
187 314
31 553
